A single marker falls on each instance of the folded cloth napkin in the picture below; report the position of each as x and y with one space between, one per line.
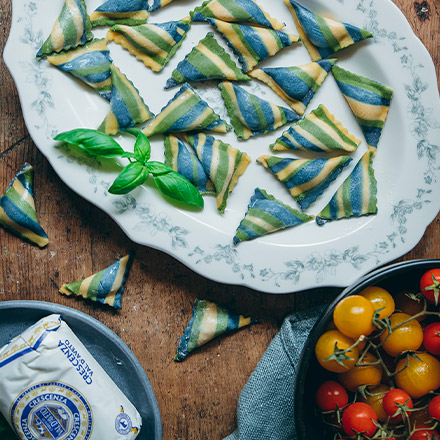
265 406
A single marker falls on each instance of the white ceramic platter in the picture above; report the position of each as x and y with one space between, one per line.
406 165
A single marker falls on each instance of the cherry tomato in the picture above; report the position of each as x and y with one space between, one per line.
359 418
394 397
407 336
434 408
331 395
420 375
353 316
381 299
424 434
362 374
409 303
325 348
374 397
430 285
431 338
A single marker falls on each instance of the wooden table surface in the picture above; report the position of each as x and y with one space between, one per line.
197 398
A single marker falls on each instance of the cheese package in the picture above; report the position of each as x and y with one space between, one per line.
51 387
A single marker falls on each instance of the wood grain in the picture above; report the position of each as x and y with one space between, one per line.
197 398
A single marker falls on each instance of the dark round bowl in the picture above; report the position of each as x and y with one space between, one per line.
310 374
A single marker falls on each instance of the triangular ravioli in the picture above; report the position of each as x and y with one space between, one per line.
369 101
180 159
318 132
158 4
186 112
323 36
105 286
17 208
90 63
296 85
266 214
251 115
305 179
235 11
253 44
153 43
207 322
221 162
356 196
127 108
71 29
129 12
207 61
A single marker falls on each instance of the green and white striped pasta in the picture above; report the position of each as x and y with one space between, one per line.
129 12
17 208
318 132
221 162
306 179
207 322
153 43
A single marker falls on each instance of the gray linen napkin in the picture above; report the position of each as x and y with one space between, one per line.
265 406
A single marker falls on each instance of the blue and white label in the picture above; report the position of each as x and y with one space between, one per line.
123 424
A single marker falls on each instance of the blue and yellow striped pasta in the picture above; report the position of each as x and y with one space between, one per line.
296 85
129 12
206 61
186 112
222 163
207 322
71 29
17 208
158 4
306 179
235 11
252 44
318 132
153 43
251 115
369 101
90 63
265 215
127 108
180 159
356 197
105 287
323 36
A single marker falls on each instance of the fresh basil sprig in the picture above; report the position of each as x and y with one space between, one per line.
169 182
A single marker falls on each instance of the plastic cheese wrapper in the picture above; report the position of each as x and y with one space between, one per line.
51 387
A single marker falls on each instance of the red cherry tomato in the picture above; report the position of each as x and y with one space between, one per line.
359 418
331 395
430 285
434 408
392 399
431 338
424 434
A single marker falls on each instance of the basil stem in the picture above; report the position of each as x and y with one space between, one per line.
133 175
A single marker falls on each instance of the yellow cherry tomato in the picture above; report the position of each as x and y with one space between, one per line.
325 347
404 337
381 299
406 304
362 373
374 398
420 376
353 316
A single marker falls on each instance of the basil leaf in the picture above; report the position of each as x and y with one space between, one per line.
158 168
133 175
142 148
129 155
177 187
93 141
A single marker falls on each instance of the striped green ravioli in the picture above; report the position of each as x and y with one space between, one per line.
266 214
207 322
17 208
129 12
186 112
127 108
318 132
207 61
306 179
221 162
71 29
369 101
105 287
356 197
153 43
235 11
252 44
